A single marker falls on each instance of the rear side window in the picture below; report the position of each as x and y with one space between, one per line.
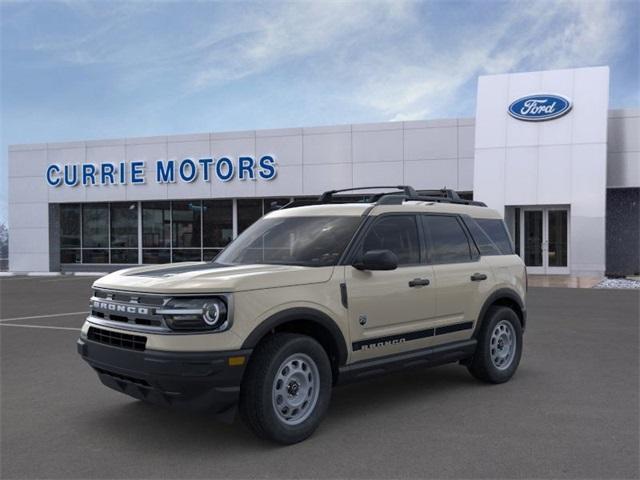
446 240
495 229
397 233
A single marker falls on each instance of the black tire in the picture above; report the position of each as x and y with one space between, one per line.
258 390
482 366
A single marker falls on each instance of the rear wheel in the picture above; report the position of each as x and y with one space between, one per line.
499 346
286 389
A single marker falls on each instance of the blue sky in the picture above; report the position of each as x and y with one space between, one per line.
82 70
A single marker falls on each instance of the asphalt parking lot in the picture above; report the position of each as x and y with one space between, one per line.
571 411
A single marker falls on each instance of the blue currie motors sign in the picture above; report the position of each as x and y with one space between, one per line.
537 108
188 170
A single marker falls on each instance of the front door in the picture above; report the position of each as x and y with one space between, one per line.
544 239
389 308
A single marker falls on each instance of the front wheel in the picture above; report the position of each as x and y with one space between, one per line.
286 389
499 346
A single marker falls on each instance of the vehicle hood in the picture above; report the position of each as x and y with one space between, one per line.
206 277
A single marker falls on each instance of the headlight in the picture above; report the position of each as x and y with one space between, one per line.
196 314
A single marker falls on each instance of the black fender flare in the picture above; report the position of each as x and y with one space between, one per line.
500 294
296 314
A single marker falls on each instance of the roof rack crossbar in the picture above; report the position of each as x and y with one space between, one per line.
397 199
327 196
444 192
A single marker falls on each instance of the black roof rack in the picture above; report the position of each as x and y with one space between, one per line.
443 195
404 193
398 199
327 196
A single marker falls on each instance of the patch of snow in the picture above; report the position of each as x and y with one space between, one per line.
624 283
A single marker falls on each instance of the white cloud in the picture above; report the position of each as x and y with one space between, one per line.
295 30
528 36
385 56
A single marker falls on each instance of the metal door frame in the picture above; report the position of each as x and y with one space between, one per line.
545 269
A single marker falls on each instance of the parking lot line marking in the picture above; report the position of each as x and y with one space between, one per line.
39 326
41 316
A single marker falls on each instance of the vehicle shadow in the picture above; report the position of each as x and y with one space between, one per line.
162 428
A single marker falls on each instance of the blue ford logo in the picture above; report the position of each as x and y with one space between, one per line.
536 108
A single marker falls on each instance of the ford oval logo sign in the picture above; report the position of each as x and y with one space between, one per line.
536 108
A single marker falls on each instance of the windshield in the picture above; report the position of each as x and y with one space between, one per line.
307 241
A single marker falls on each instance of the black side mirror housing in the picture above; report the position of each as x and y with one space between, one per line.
377 260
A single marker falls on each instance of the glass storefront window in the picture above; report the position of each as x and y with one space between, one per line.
156 224
95 255
95 225
156 255
558 238
126 255
208 254
186 255
249 210
217 223
124 225
271 204
70 255
69 226
172 231
186 224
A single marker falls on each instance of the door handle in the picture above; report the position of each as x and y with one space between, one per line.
419 282
478 277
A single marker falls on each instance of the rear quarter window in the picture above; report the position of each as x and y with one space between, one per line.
491 236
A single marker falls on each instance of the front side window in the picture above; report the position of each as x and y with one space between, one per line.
446 240
397 233
305 241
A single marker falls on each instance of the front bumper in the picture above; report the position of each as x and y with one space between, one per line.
198 380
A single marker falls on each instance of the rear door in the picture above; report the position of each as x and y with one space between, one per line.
461 276
390 310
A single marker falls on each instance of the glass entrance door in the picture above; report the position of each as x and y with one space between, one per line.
544 241
533 239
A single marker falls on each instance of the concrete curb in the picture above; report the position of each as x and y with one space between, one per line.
7 274
89 274
43 274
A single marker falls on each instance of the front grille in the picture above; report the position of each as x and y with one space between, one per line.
129 297
121 318
131 308
117 339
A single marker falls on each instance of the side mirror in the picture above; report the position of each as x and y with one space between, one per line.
377 260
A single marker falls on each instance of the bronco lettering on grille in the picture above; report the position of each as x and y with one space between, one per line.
120 308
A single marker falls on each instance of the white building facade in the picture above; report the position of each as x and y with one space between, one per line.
567 184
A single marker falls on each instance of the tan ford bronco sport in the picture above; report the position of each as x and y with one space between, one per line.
312 296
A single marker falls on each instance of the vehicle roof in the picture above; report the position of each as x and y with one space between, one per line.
332 209
357 209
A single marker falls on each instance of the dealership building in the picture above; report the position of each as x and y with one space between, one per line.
544 149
